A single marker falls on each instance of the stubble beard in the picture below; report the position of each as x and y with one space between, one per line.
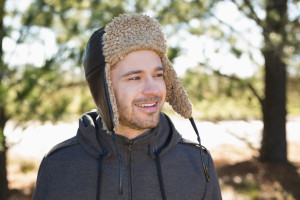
131 119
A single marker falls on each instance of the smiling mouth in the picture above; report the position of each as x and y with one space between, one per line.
147 105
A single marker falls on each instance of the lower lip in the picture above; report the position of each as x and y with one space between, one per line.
149 109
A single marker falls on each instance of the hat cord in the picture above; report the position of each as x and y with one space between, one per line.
205 169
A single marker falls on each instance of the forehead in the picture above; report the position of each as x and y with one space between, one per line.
141 59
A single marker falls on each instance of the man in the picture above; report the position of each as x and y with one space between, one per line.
128 149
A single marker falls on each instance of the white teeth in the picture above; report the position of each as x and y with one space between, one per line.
147 105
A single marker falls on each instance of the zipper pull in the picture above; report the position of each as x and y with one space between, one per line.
154 149
130 143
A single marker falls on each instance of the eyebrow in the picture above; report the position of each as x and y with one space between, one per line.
159 68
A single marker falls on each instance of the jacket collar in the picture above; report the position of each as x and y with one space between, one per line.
98 142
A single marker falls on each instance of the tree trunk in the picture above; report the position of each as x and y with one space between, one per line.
3 172
3 176
3 117
274 146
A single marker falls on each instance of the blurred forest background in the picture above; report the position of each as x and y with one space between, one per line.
245 64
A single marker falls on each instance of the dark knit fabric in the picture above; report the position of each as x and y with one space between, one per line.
72 169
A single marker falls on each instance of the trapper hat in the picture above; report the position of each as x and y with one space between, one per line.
108 45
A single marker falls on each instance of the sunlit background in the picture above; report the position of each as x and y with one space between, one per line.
218 49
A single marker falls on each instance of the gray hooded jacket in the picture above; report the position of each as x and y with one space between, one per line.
159 164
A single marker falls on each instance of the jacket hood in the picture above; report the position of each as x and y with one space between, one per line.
100 145
96 142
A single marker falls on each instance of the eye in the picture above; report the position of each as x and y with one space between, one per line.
135 78
159 75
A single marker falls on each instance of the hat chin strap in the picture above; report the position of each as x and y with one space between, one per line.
109 103
205 169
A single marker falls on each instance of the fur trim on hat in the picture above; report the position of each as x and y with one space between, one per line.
128 33
176 95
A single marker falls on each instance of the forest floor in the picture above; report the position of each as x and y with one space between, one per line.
233 145
250 179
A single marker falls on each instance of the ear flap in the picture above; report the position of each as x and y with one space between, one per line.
111 98
96 83
94 67
176 95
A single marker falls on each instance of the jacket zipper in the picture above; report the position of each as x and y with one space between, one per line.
130 143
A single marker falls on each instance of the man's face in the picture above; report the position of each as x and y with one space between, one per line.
140 90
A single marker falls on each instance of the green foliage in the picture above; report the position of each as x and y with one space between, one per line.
293 97
173 52
85 101
2 140
248 186
32 92
3 93
216 97
178 11
27 166
50 91
42 93
47 92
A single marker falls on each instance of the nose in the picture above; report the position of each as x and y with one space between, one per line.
150 87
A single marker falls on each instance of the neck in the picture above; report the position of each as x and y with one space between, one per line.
129 132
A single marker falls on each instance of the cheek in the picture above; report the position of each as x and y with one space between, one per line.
124 93
163 89
117 92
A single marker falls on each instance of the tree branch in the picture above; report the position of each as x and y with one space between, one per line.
252 14
24 30
233 30
222 22
250 86
243 139
79 83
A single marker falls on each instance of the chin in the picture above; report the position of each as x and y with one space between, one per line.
151 123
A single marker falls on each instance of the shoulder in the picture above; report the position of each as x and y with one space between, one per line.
193 144
195 147
63 145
